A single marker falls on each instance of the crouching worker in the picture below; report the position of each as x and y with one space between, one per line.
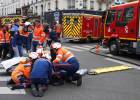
65 65
20 75
40 75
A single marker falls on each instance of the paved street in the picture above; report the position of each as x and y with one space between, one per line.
122 85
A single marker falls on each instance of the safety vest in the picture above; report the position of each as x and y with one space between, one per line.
58 28
39 35
63 55
21 69
4 38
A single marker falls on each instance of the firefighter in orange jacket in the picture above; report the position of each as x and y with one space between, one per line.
20 75
58 30
4 42
24 37
38 36
65 61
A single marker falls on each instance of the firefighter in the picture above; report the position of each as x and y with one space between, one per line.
14 36
65 61
20 75
4 42
40 76
58 30
23 39
38 36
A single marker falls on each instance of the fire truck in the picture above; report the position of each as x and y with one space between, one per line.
122 28
82 25
10 19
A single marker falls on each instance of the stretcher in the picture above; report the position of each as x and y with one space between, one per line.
8 64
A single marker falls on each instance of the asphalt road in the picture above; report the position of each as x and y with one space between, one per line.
122 85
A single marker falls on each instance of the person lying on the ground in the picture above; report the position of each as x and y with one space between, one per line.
20 75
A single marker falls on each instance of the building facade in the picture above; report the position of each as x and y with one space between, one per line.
38 7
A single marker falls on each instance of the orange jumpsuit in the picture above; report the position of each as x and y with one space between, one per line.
22 69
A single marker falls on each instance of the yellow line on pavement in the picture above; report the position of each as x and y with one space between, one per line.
108 69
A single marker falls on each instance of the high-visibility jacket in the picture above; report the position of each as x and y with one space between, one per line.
58 28
21 69
39 35
63 55
4 37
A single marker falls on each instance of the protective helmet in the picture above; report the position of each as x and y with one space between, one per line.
33 55
23 60
39 50
46 55
27 23
56 45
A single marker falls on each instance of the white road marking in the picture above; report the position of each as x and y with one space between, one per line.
87 46
5 78
74 49
124 63
7 90
2 70
80 47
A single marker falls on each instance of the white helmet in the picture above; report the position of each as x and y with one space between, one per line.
46 55
39 50
56 45
33 55
27 23
23 59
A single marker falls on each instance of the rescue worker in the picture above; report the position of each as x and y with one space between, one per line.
4 42
65 61
58 30
38 36
40 76
23 39
20 75
14 35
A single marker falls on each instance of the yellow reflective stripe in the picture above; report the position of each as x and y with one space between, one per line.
59 55
43 35
58 59
67 54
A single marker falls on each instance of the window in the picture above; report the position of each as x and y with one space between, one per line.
91 4
84 4
128 14
119 15
75 21
67 21
110 16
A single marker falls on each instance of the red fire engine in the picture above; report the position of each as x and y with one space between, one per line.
122 28
81 26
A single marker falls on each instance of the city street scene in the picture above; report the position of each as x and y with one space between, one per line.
70 49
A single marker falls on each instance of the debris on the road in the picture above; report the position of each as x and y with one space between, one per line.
82 71
108 69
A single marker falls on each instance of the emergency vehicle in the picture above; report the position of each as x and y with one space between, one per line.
10 19
81 26
122 28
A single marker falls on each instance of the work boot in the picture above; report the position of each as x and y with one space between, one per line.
10 82
78 79
41 90
34 90
17 87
